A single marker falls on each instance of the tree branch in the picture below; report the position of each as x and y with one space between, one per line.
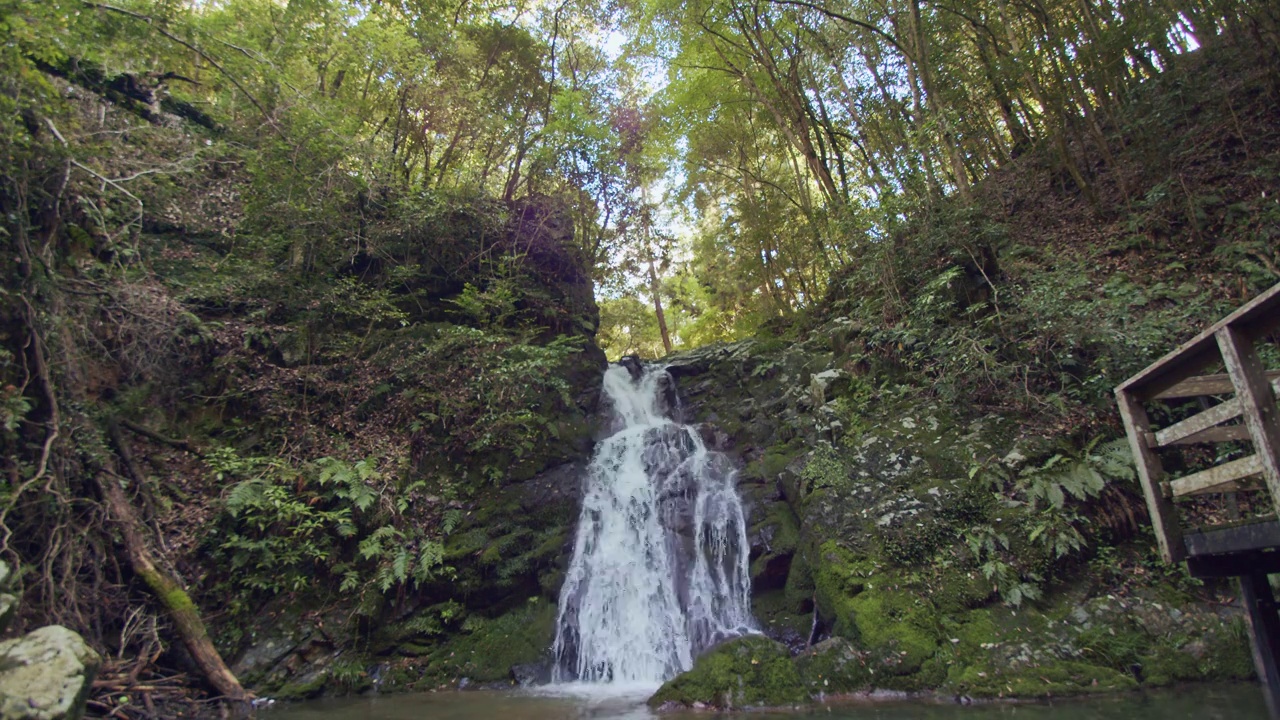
845 18
198 51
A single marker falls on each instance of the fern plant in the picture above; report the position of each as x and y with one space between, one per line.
282 526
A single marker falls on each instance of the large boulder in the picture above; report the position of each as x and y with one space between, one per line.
46 675
751 671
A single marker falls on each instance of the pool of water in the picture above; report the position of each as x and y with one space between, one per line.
1231 702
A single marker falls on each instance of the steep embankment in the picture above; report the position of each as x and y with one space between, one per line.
938 476
345 423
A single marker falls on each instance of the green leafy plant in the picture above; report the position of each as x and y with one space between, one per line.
283 526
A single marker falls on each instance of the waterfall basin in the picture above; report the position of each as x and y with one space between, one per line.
602 702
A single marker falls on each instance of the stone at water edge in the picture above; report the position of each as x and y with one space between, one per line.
833 667
751 671
46 675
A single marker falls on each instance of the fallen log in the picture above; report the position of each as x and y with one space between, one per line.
170 594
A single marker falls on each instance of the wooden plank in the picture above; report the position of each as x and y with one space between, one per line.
1199 422
1234 564
1257 402
1224 433
1256 316
1231 541
1163 515
1208 385
1216 478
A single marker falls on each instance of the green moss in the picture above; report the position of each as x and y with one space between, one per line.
1168 666
412 649
1054 679
1228 655
491 646
900 627
955 590
837 576
799 588
835 666
751 671
776 459
779 616
304 688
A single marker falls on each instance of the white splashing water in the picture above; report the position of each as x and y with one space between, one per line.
659 570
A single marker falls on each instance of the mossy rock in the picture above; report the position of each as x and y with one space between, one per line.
309 685
874 610
780 619
900 627
955 590
750 671
837 576
1053 679
488 648
834 666
799 587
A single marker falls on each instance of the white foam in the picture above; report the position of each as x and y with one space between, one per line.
659 570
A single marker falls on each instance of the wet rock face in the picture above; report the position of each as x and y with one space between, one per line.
633 365
46 675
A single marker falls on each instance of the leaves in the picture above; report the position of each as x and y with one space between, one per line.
280 531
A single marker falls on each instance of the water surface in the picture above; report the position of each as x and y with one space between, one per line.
1231 702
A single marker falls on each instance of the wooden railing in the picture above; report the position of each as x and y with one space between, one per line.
1251 412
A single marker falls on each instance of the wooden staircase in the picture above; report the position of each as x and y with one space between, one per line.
1229 544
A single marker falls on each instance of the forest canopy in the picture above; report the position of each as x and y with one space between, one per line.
722 159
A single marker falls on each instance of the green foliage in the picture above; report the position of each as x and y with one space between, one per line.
824 469
1044 508
277 540
481 391
284 526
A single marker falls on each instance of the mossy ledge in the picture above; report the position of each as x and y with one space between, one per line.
745 672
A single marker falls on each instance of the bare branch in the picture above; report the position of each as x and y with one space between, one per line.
197 50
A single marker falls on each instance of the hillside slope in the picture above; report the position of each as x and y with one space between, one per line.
939 477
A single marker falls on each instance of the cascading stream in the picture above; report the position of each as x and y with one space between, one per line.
659 570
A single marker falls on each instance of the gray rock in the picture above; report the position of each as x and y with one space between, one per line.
8 601
46 675
530 674
820 385
8 608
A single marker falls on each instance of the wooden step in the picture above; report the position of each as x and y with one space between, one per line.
1221 478
1202 427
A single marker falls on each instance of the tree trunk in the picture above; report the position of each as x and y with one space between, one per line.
655 289
177 604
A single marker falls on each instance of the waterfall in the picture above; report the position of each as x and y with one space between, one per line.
659 570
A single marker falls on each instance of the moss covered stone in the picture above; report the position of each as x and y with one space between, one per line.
781 619
488 648
305 687
1052 679
799 588
750 671
834 666
837 576
898 626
